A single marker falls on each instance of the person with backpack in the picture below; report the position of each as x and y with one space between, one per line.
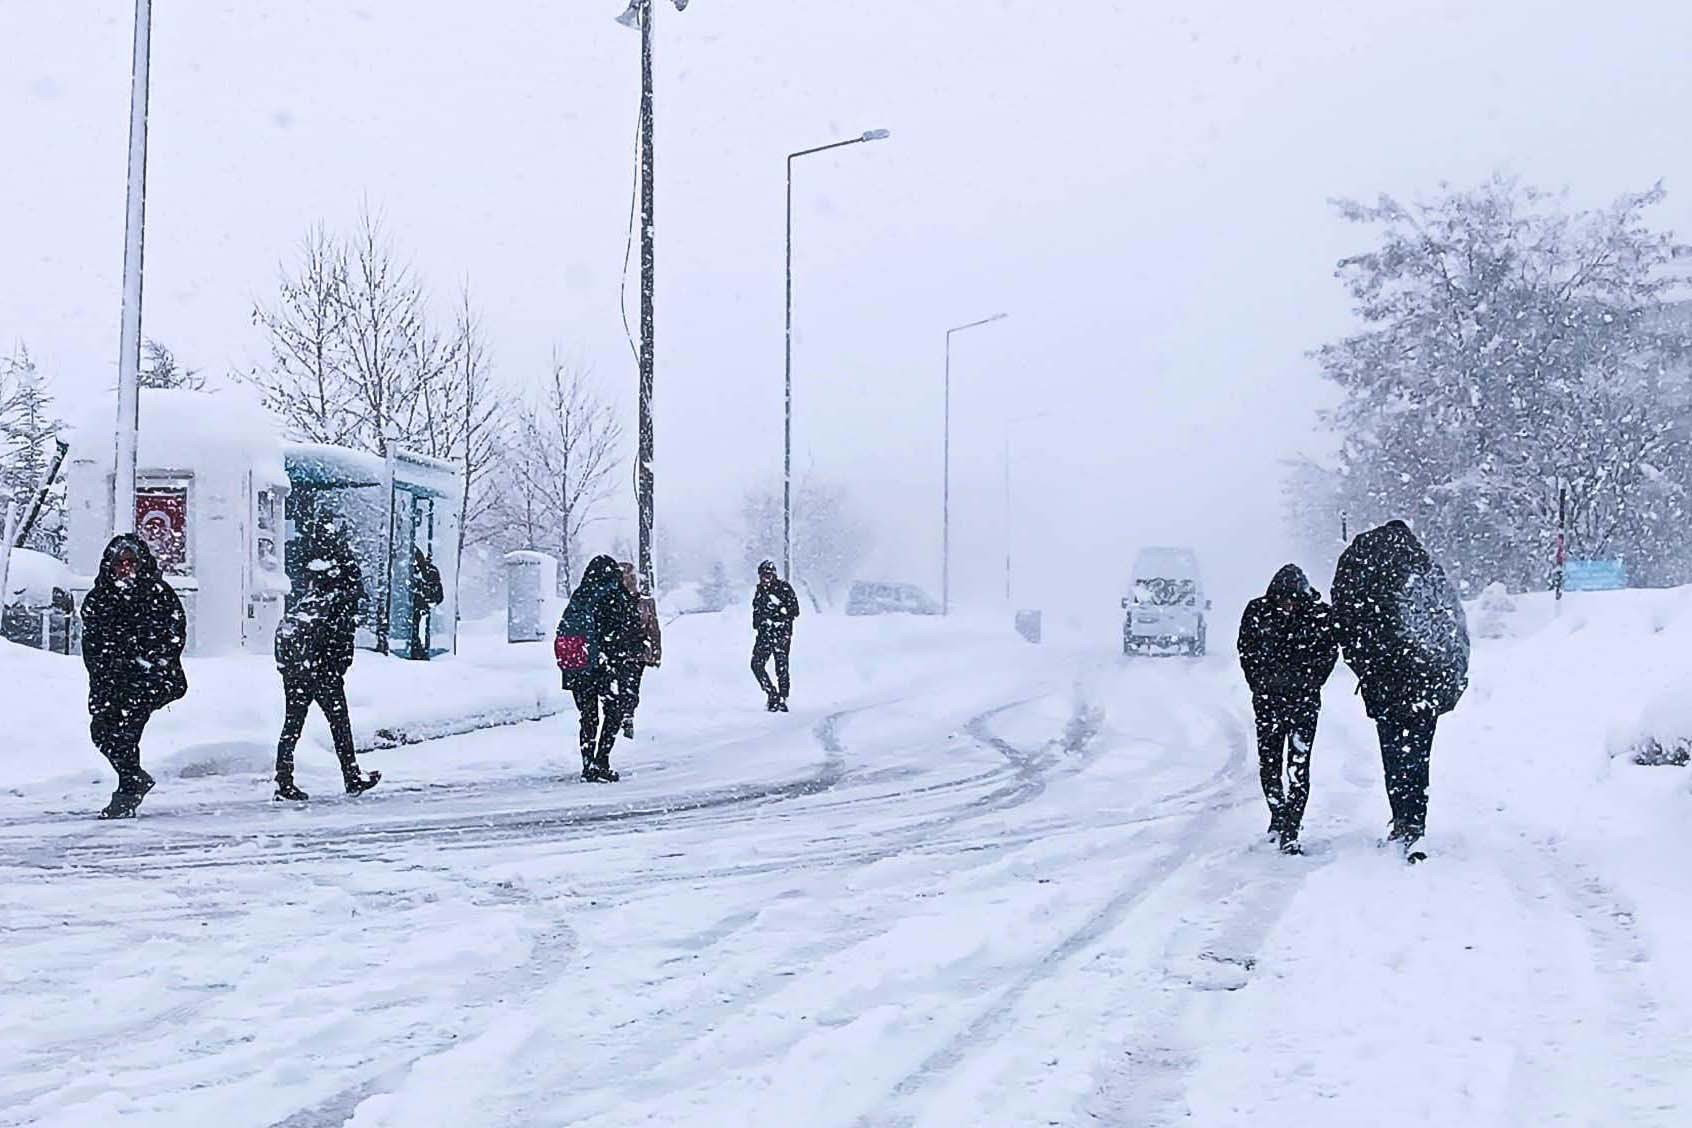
133 634
314 651
595 646
1288 649
642 650
427 593
1402 628
775 606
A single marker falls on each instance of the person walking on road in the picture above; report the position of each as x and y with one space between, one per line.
1288 649
646 649
598 640
314 651
426 594
775 606
133 633
1404 635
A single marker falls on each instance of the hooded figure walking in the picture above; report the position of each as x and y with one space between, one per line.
775 606
643 650
1288 647
600 638
314 651
1404 634
133 633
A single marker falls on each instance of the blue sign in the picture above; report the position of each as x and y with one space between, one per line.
1594 575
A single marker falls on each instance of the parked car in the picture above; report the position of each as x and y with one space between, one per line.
889 599
1167 611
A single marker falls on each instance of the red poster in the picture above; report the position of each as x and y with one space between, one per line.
161 519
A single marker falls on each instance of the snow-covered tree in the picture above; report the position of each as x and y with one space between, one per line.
1513 350
558 467
830 539
28 430
160 369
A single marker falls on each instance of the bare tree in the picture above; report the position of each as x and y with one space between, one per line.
560 465
830 538
392 355
307 382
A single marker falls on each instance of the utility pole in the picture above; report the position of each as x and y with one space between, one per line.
1562 542
129 347
946 486
648 285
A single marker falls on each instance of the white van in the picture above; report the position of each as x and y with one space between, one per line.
1166 605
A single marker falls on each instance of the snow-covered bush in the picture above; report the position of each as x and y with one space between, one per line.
1494 611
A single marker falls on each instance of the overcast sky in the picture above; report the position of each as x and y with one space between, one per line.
1142 187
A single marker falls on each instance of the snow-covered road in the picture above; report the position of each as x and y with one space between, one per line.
984 890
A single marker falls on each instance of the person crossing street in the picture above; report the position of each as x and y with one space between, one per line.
775 606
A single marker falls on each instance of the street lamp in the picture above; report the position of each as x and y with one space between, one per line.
946 492
639 15
1009 424
129 347
787 415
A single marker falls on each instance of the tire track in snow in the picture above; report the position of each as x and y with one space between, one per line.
996 1020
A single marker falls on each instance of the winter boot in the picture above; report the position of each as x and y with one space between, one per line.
774 704
122 806
358 786
1289 841
146 781
781 704
286 791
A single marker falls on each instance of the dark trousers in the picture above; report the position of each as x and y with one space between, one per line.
419 632
329 693
628 688
1406 745
116 725
1286 732
600 707
777 645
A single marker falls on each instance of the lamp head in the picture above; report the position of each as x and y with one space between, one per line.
876 135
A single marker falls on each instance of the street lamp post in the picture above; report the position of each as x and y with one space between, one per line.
946 488
787 411
639 15
1009 424
129 347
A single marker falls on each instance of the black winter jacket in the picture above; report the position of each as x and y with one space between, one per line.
775 606
318 632
602 610
1288 643
133 633
1400 623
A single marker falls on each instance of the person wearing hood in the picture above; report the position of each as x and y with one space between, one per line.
642 649
775 606
133 634
1288 648
1404 634
599 639
314 651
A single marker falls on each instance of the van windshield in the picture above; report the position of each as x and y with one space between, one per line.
1165 593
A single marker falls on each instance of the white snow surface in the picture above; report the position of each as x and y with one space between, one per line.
967 881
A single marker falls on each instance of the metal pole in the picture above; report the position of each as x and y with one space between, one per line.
787 416
1007 515
946 493
946 487
787 367
129 347
648 283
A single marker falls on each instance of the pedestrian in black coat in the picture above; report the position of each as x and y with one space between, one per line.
775 606
314 651
133 633
1404 634
1288 647
642 648
427 593
605 618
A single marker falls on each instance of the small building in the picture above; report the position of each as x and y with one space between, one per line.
223 502
209 496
